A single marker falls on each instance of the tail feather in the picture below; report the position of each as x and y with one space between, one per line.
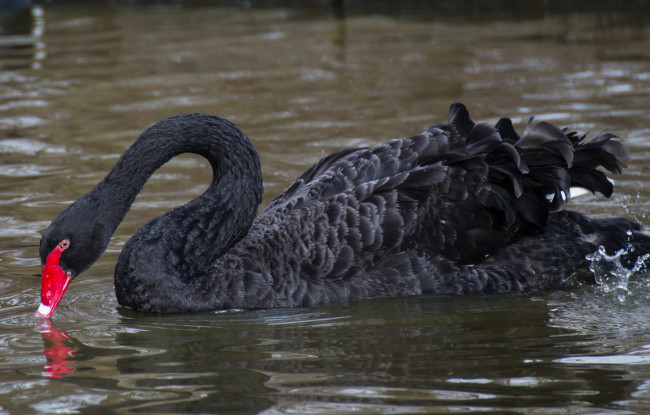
546 136
507 130
593 180
459 118
545 160
601 150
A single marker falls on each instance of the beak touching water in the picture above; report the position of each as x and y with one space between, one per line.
54 281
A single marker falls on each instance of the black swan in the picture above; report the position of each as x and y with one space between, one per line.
459 208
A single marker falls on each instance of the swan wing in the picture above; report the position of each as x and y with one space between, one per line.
451 196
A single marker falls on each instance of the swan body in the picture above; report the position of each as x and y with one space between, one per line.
459 208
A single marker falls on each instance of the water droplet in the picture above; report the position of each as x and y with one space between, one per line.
611 275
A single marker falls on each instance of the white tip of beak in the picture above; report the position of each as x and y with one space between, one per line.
43 311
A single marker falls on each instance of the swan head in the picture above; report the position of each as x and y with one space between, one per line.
67 249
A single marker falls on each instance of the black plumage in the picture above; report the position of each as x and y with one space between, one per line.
459 208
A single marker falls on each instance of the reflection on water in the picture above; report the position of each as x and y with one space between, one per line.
386 355
21 32
79 82
59 353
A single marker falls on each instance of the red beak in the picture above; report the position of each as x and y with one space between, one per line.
54 282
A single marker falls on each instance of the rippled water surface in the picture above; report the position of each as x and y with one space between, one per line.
77 85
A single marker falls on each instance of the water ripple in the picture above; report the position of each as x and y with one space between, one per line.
29 147
26 170
23 121
625 359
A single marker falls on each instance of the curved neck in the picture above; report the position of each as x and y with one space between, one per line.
189 236
237 177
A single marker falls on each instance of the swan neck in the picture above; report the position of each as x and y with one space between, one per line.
234 194
234 161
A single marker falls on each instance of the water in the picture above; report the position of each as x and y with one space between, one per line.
77 85
611 274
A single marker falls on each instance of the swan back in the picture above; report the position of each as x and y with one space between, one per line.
373 221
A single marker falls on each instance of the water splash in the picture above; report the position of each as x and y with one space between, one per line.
610 273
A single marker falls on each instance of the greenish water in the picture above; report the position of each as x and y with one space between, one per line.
79 82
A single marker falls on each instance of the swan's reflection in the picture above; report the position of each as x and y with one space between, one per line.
399 355
59 349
